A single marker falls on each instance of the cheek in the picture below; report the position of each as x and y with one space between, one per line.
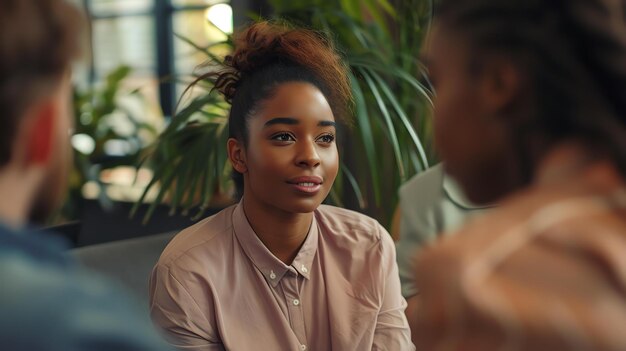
266 159
330 162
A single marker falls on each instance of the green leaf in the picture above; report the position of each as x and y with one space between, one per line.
161 172
395 72
392 136
355 186
165 184
351 7
379 18
204 50
403 118
192 44
386 5
367 136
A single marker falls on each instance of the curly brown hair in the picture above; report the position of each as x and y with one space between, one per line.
264 46
268 54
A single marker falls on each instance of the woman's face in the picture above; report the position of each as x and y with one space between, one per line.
471 133
291 159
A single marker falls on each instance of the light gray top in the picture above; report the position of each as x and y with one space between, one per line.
431 204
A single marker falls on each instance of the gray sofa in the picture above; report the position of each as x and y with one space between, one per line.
129 262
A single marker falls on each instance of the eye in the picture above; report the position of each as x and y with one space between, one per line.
283 137
326 138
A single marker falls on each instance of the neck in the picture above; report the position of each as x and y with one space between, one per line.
16 191
283 233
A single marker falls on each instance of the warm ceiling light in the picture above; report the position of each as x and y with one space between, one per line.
221 16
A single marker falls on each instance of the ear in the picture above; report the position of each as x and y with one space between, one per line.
237 155
40 132
502 81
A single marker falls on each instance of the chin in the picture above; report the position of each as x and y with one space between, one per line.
301 204
306 206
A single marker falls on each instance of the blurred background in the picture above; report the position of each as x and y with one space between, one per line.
150 159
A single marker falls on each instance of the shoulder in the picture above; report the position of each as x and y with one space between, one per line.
357 248
505 222
423 189
350 226
207 237
59 304
32 263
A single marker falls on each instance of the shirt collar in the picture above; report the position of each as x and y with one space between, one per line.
271 267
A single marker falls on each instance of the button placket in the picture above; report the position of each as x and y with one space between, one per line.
294 305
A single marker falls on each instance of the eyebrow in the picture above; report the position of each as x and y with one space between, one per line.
281 120
294 121
327 124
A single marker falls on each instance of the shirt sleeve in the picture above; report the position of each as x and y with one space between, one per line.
392 329
175 311
48 308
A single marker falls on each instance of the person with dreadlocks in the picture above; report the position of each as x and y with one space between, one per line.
530 114
280 271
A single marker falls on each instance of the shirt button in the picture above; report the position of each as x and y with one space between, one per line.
303 269
272 275
296 302
302 347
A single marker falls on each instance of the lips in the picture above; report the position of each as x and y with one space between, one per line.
307 185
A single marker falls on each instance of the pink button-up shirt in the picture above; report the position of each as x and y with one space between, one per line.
217 287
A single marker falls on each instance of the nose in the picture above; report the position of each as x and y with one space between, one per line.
308 156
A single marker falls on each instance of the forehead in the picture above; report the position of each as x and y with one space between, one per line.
297 100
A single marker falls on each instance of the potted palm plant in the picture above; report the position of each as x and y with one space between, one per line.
381 42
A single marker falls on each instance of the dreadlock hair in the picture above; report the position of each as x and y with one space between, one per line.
268 54
574 55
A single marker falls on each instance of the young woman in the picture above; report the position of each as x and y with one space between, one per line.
530 114
279 271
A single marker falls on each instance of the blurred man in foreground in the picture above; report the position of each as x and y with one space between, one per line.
530 114
46 302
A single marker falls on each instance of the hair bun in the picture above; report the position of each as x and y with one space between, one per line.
267 43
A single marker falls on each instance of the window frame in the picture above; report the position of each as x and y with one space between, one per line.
163 12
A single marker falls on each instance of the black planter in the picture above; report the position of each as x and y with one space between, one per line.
99 225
